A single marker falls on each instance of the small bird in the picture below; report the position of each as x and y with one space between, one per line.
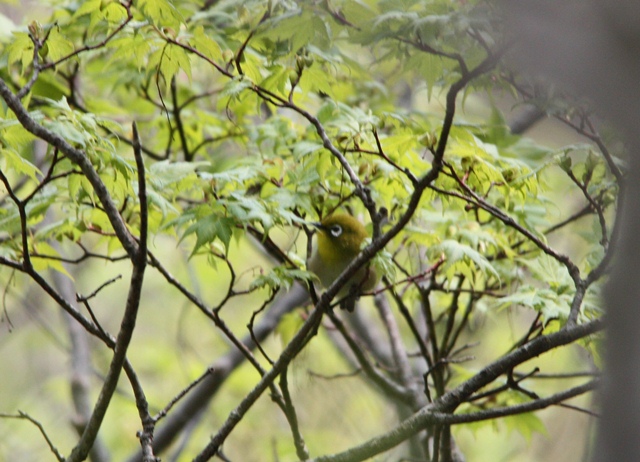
340 238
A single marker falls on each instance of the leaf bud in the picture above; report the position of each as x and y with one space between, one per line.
35 29
294 75
509 174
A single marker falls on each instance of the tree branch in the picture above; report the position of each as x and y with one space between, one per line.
433 413
139 260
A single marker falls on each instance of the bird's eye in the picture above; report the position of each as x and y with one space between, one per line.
335 230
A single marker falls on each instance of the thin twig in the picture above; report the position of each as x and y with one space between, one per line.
25 416
84 298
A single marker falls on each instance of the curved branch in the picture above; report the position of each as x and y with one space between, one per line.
436 413
139 260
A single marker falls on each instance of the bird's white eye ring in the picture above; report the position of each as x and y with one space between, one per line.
335 230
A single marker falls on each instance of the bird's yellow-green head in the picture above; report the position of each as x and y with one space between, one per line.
340 238
339 241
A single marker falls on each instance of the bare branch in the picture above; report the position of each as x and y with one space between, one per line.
433 413
25 416
139 260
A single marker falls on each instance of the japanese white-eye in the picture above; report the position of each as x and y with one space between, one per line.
339 241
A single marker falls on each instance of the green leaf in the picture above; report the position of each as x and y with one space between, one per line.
317 79
68 131
165 173
209 228
131 48
300 28
455 251
171 60
304 148
547 302
526 424
41 262
162 13
20 50
206 45
66 228
13 161
280 277
57 45
36 208
78 184
114 12
87 7
235 87
277 79
550 271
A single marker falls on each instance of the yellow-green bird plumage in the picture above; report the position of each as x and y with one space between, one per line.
339 240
